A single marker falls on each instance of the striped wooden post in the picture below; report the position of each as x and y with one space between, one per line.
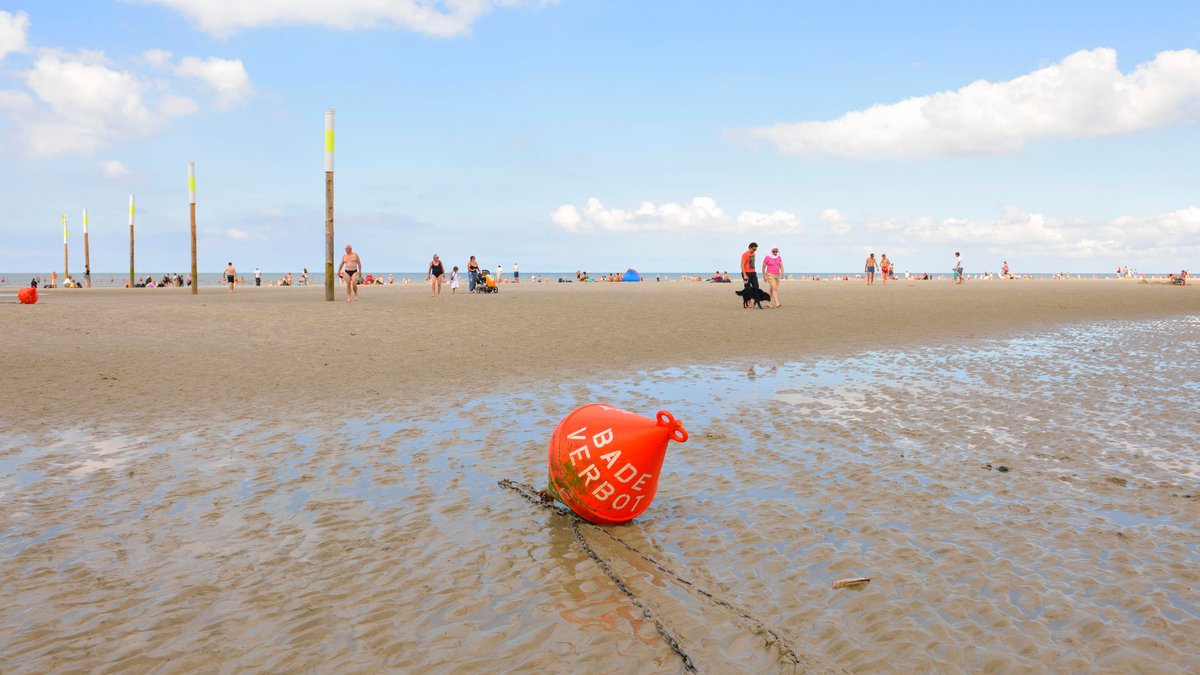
131 281
192 207
66 269
329 204
87 254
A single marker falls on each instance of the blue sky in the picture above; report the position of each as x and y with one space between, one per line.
603 134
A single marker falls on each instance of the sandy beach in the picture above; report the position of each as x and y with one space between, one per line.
276 352
266 481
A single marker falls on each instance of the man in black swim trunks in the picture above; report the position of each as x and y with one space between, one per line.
353 268
230 275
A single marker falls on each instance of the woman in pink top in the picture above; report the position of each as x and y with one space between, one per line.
773 271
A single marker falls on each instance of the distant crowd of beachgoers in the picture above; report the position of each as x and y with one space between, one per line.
581 276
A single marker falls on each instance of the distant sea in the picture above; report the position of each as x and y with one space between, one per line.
112 279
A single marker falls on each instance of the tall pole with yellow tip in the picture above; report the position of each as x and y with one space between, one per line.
192 204
87 255
329 204
131 241
65 267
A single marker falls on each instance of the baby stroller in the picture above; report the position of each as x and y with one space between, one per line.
486 283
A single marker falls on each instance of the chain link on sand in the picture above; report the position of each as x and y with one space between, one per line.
772 638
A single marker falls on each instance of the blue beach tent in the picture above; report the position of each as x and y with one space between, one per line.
631 275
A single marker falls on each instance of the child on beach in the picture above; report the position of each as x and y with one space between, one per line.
454 280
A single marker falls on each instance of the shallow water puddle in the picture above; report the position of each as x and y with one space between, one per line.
384 541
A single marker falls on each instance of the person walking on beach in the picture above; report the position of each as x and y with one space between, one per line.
230 276
749 275
885 268
516 274
499 273
1004 270
773 272
257 276
958 268
472 274
869 268
436 273
353 268
454 280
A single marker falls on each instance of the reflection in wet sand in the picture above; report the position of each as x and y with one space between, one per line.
385 542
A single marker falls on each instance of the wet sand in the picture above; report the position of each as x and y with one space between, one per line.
270 482
278 352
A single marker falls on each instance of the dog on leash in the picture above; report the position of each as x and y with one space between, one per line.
753 294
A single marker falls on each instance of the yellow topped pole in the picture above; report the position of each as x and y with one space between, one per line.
65 267
87 254
329 204
131 241
192 205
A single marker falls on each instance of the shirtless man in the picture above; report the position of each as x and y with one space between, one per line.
230 275
353 268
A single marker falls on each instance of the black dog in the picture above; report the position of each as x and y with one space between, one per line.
753 294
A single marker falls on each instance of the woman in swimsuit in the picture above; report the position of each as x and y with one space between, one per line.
437 273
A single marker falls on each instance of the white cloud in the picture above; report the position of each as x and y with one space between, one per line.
13 28
1084 96
443 18
701 215
1168 233
114 169
234 233
158 59
226 77
91 105
1015 232
15 100
81 102
838 223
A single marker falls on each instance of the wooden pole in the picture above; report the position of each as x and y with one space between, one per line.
192 204
329 204
87 254
131 282
66 271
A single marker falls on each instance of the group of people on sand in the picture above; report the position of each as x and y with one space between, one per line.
886 269
350 271
772 269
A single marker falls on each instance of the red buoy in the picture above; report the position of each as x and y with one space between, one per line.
605 462
27 295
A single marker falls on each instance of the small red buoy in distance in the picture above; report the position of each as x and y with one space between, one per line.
27 295
605 462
